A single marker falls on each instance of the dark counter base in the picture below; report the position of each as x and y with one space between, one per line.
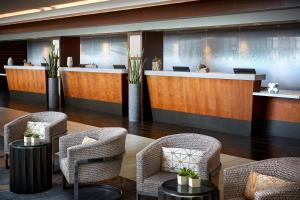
28 96
111 108
231 126
278 129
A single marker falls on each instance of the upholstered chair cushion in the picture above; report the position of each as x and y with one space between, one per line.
259 182
37 128
87 140
175 158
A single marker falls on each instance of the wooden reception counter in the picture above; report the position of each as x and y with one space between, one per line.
96 89
278 114
28 81
212 101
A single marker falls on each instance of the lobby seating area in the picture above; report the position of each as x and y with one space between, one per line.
150 100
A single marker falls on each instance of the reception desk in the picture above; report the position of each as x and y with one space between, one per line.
28 81
278 114
103 90
212 101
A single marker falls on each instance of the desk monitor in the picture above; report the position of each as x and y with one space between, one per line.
119 66
181 69
244 70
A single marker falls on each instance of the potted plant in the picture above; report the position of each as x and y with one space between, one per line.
202 68
52 78
194 180
182 176
135 71
27 136
35 138
156 64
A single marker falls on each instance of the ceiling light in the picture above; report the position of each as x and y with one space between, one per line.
58 6
23 12
77 3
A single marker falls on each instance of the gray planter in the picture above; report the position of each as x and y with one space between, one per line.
134 103
53 93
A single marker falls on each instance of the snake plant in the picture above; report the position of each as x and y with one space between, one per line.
136 65
52 62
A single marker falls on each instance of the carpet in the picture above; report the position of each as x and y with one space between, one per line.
86 192
134 144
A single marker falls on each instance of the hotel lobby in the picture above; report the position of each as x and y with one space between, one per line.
150 99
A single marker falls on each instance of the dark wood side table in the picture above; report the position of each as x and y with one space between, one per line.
30 167
171 190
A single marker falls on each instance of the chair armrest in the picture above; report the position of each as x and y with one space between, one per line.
148 161
235 180
56 128
291 192
67 141
14 130
210 163
94 150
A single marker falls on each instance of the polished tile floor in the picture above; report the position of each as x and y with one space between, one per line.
255 148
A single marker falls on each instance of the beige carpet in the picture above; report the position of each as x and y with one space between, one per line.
133 145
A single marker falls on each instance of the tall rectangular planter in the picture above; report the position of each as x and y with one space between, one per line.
134 103
52 93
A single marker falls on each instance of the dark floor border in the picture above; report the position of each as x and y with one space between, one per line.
105 107
28 96
231 126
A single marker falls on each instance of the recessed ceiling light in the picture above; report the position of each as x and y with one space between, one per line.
53 7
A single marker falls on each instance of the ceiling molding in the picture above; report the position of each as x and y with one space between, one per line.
94 8
233 20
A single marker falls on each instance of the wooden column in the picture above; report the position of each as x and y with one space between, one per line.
69 47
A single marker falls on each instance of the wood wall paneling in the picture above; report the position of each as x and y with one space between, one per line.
69 47
34 81
173 11
212 97
106 87
15 49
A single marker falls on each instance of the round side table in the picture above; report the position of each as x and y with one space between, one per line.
30 167
171 190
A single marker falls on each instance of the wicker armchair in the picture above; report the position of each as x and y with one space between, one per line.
149 174
235 179
15 129
92 162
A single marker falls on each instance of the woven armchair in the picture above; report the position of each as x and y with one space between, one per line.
235 179
15 129
92 162
149 175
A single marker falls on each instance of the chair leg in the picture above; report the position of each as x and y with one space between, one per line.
64 182
6 161
76 181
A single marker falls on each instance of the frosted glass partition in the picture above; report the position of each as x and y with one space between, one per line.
275 52
104 51
37 50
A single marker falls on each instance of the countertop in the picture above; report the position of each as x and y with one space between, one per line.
25 67
94 70
214 75
289 94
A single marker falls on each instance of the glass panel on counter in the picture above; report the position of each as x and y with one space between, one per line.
104 51
274 51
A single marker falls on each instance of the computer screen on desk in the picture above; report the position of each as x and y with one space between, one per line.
244 70
181 69
119 66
